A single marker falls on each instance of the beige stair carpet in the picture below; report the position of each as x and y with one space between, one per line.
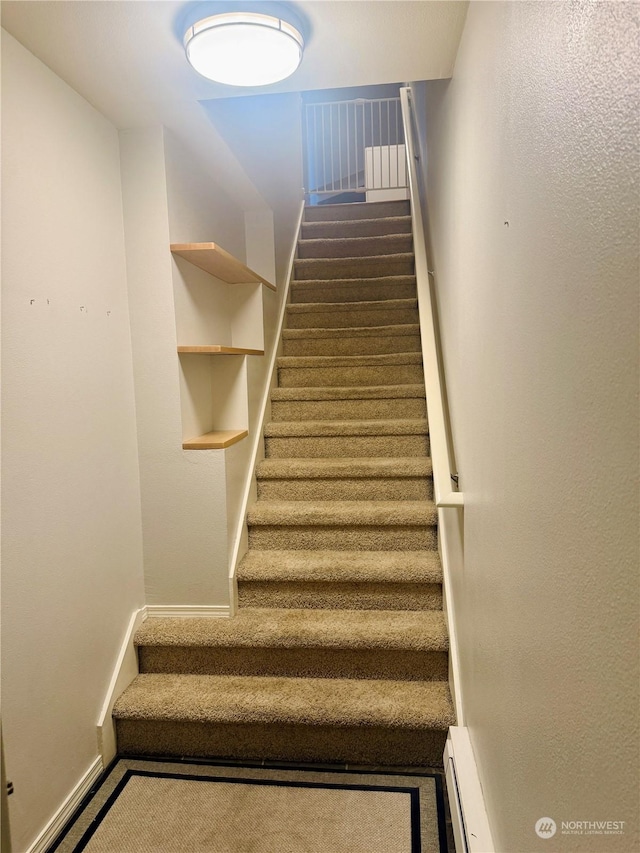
339 650
353 290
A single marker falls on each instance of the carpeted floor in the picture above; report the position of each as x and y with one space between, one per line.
156 806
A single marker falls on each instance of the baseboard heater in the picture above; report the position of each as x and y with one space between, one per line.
471 829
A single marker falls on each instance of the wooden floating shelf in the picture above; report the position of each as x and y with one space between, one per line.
216 440
213 259
220 350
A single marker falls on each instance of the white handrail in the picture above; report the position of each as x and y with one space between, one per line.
440 457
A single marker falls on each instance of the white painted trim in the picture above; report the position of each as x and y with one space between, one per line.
257 438
468 812
449 555
450 499
66 810
455 807
209 611
440 457
233 585
124 671
450 545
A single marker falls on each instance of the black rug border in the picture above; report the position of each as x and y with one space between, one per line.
416 843
364 770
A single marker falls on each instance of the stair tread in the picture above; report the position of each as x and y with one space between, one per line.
337 468
348 392
342 513
388 219
302 701
382 281
293 628
341 566
356 210
370 266
324 361
355 332
401 426
381 238
359 246
376 258
371 305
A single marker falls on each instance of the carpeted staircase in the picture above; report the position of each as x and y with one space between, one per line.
339 650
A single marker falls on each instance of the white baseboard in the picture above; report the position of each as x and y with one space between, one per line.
66 810
221 611
451 548
124 671
471 830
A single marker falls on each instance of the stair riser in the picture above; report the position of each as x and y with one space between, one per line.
346 596
314 377
357 489
339 410
379 316
356 228
349 212
355 247
351 346
315 447
369 267
353 293
311 662
345 538
277 742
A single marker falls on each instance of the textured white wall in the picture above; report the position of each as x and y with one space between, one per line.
72 550
254 306
199 211
533 194
265 134
183 492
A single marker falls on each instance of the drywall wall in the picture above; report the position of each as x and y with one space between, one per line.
253 303
183 492
265 134
209 311
191 500
198 210
72 551
532 173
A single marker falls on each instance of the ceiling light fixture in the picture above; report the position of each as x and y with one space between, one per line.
244 48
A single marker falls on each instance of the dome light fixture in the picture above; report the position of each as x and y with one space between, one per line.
244 48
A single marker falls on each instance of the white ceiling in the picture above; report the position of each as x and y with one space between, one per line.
126 58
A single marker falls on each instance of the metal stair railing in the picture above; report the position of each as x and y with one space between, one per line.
353 146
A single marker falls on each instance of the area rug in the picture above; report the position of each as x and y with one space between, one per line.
149 806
